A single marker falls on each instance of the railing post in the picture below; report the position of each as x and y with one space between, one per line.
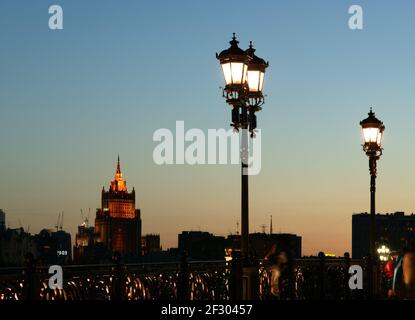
118 278
31 287
91 293
235 285
321 275
184 279
250 278
291 279
346 275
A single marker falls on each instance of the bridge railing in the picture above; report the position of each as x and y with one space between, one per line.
320 278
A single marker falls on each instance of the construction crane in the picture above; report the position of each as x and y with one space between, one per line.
85 221
59 223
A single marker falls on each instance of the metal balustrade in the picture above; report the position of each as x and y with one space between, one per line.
320 278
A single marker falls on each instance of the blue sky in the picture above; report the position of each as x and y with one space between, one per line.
72 100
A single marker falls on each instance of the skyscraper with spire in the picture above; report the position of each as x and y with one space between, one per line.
118 222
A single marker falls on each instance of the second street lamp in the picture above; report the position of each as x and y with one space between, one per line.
244 79
255 84
256 73
372 129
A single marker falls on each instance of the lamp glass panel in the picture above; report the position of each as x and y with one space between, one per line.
379 140
237 72
371 135
261 81
254 80
245 73
226 68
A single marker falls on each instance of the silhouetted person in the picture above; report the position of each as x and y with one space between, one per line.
404 279
118 290
277 259
31 287
408 268
389 273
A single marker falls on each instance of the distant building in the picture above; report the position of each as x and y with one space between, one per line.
150 244
2 220
53 247
206 246
396 231
14 245
202 245
260 243
118 222
87 249
166 256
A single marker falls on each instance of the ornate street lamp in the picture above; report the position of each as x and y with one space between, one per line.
234 63
255 82
244 80
256 74
372 130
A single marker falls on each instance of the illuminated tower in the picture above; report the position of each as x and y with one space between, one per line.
118 222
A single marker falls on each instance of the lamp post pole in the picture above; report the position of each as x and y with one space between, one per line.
244 186
373 130
372 226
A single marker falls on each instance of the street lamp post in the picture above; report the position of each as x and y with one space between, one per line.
372 129
244 79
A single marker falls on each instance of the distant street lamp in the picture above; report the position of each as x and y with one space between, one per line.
372 129
383 253
244 80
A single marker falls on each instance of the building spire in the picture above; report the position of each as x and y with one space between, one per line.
118 184
118 166
270 227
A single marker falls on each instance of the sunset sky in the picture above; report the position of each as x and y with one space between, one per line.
71 100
